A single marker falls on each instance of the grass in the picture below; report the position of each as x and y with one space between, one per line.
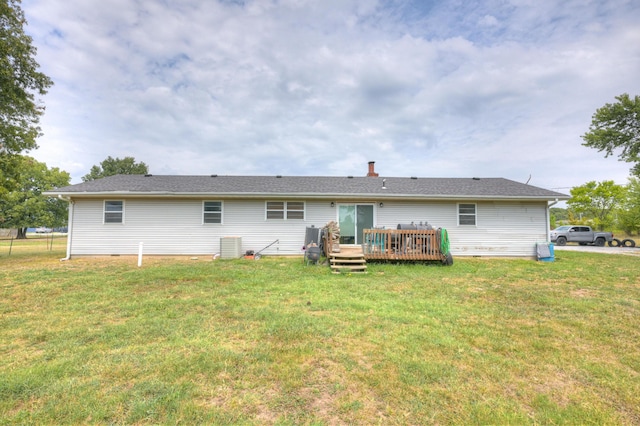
35 244
98 340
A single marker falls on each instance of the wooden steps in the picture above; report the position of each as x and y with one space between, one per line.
349 261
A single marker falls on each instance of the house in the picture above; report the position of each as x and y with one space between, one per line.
188 215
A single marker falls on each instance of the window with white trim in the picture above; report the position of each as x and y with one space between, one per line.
212 212
287 210
114 211
467 214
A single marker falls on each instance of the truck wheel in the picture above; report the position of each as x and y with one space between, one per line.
561 241
600 242
628 243
614 243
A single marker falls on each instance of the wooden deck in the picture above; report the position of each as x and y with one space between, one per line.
390 244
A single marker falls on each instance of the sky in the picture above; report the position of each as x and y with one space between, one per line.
495 88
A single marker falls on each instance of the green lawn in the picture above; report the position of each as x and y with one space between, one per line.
35 244
99 340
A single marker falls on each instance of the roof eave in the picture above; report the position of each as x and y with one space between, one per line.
272 195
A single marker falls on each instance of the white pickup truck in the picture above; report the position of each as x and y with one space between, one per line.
580 234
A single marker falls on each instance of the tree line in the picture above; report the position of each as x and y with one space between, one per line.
615 128
25 206
603 205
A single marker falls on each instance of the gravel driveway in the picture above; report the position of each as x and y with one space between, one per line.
635 251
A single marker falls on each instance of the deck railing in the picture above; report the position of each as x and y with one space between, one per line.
392 244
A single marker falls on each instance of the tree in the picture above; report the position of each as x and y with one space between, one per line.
629 213
116 166
20 83
558 216
597 200
617 126
27 206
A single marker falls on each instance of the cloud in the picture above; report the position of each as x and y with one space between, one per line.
320 88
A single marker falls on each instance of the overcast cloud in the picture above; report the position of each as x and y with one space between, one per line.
497 88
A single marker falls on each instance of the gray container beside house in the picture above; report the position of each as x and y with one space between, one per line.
230 247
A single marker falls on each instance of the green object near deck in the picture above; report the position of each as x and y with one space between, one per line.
444 241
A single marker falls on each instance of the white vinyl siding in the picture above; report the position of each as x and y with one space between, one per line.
174 226
503 228
212 212
113 211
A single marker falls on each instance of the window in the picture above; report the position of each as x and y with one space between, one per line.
295 210
212 212
275 210
113 211
466 214
292 210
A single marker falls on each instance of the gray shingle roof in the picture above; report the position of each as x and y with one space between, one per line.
308 186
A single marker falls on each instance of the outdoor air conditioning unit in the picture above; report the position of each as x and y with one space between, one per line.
230 247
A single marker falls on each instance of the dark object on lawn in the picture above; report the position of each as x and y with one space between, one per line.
312 254
312 245
313 235
258 256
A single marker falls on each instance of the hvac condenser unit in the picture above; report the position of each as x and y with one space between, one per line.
230 247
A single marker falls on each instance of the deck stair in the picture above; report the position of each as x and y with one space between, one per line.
348 260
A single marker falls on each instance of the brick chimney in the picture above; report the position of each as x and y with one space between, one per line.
372 172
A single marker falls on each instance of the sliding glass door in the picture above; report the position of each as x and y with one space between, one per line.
352 219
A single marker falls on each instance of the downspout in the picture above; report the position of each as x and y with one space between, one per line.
548 214
69 227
